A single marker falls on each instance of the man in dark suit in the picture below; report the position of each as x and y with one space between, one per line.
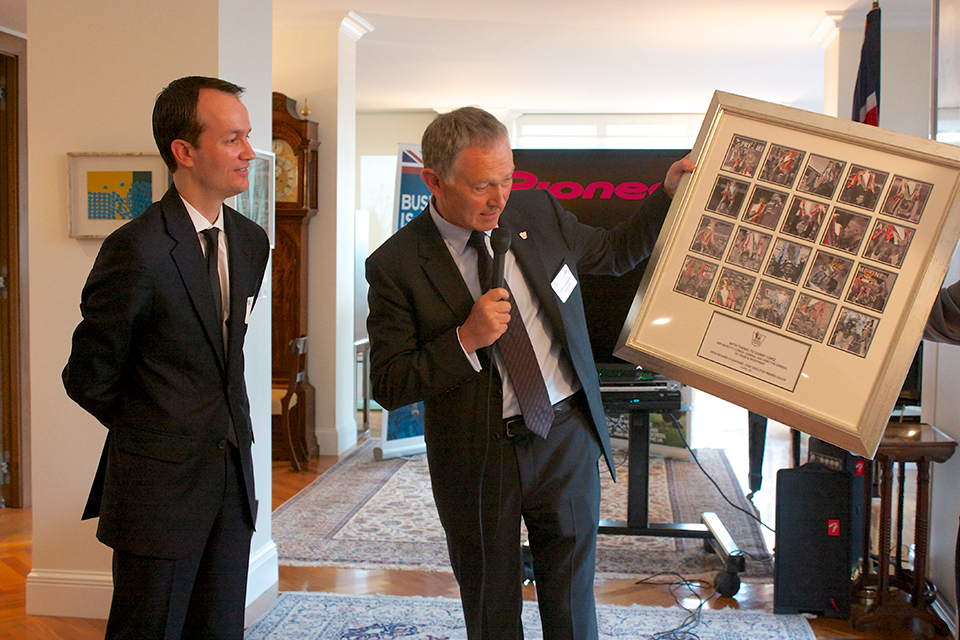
158 359
497 450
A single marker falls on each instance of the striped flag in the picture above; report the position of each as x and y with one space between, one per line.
866 95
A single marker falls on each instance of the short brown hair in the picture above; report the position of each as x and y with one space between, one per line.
450 133
175 113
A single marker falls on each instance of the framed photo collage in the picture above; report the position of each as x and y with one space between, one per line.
803 242
797 266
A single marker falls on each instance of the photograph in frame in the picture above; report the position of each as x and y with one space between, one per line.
888 243
854 332
257 202
765 207
906 199
811 317
804 218
862 187
743 156
825 351
782 165
788 261
749 248
712 237
871 287
108 190
732 291
771 303
695 278
821 176
829 274
845 230
728 195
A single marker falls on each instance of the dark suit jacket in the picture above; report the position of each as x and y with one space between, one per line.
943 325
148 363
418 299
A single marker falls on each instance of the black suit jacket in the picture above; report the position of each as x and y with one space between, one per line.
417 300
148 362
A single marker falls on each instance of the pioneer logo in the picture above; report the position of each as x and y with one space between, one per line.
572 190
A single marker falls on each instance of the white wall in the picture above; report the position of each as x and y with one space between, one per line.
378 134
94 72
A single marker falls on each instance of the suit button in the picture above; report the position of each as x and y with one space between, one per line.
222 444
495 437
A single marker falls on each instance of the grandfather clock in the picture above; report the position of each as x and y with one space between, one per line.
295 143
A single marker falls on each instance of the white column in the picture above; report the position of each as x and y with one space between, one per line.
315 60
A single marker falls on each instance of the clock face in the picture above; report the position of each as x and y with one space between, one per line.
286 171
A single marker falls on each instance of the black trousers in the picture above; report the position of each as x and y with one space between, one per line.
199 596
554 486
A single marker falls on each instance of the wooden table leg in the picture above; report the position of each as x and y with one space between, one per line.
872 616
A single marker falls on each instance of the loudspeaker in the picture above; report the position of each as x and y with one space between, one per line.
812 564
842 460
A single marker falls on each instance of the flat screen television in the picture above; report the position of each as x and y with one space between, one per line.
601 187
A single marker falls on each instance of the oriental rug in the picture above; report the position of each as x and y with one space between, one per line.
323 616
367 514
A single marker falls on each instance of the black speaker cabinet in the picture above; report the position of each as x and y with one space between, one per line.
812 566
842 460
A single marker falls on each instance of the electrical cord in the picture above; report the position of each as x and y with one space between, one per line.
483 470
683 631
679 428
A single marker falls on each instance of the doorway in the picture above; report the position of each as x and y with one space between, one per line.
14 488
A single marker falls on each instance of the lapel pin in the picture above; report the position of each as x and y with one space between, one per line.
523 235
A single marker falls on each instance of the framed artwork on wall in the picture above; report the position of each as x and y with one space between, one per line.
812 314
109 189
257 201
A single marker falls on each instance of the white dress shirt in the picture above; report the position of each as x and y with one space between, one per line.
555 365
202 224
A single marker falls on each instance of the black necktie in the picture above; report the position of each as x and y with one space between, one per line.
212 236
213 256
517 352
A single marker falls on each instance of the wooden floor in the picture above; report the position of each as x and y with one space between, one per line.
15 558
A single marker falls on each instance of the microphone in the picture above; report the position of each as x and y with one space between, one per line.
500 242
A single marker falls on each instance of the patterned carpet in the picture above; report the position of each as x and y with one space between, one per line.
322 616
367 514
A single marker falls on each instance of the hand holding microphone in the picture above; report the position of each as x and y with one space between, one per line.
500 242
490 314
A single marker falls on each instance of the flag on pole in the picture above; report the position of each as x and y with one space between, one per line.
866 95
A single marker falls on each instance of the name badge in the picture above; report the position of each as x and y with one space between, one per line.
246 316
564 283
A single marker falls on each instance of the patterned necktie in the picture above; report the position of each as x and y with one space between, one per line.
517 352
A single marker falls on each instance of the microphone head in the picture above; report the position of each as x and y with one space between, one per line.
500 240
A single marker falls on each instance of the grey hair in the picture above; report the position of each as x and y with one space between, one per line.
450 133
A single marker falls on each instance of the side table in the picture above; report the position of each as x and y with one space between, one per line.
922 444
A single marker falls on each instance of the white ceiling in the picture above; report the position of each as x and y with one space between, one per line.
591 56
581 56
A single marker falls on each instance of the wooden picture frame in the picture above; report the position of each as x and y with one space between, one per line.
821 336
110 189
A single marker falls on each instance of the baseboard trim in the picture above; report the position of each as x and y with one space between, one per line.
87 594
259 606
76 594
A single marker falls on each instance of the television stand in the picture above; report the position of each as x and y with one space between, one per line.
709 529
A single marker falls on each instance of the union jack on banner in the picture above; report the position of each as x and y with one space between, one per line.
410 162
866 94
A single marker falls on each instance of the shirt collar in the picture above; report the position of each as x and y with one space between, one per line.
199 222
453 235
